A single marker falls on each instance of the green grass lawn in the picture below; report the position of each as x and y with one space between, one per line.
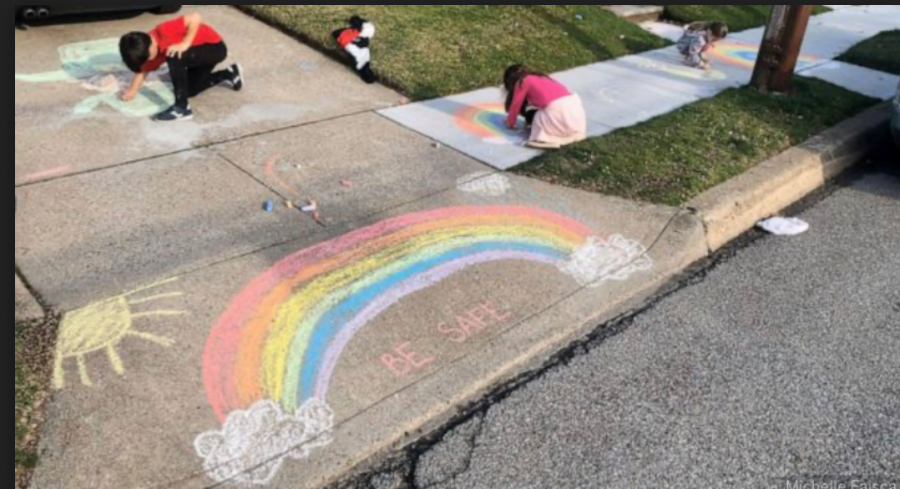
881 52
675 157
428 51
738 17
33 358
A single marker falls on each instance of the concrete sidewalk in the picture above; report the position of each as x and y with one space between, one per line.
206 341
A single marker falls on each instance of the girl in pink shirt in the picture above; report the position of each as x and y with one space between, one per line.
556 115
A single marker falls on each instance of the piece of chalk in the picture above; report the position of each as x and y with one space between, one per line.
312 206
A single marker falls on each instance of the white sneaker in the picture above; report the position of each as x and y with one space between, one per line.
237 77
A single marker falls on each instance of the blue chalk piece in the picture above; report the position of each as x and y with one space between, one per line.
269 206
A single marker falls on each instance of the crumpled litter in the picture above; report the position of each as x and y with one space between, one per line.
784 226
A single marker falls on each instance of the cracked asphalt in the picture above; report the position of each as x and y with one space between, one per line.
776 364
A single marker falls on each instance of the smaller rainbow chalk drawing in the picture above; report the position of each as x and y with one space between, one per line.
736 53
681 71
488 122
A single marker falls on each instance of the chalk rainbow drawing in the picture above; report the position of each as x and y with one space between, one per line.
97 66
102 326
273 171
680 70
278 344
744 55
487 122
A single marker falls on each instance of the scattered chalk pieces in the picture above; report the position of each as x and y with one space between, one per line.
312 206
347 184
268 206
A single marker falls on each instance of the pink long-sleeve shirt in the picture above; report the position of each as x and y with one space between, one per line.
539 91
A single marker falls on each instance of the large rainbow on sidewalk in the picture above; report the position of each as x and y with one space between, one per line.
282 337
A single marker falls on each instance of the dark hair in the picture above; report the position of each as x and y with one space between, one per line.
135 49
514 77
719 30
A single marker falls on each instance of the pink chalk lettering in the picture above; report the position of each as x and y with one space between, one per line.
469 324
494 313
453 334
403 361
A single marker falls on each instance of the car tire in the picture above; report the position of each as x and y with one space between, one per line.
167 9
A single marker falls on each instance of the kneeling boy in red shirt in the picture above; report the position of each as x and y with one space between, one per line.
191 50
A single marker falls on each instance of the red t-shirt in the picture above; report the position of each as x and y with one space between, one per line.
173 32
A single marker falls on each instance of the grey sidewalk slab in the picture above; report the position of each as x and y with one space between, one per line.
672 32
69 119
614 99
433 302
869 82
353 168
87 236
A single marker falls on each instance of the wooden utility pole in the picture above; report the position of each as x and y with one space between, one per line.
780 49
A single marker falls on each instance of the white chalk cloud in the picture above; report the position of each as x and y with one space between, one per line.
598 261
484 184
254 444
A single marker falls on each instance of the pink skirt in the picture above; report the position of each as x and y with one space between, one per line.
562 122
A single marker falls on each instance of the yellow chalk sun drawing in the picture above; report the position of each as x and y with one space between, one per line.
102 326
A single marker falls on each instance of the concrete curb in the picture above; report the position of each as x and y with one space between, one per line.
733 208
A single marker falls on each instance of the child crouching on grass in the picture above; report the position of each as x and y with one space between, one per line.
558 119
698 39
191 50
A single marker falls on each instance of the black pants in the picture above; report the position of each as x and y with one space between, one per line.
193 72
